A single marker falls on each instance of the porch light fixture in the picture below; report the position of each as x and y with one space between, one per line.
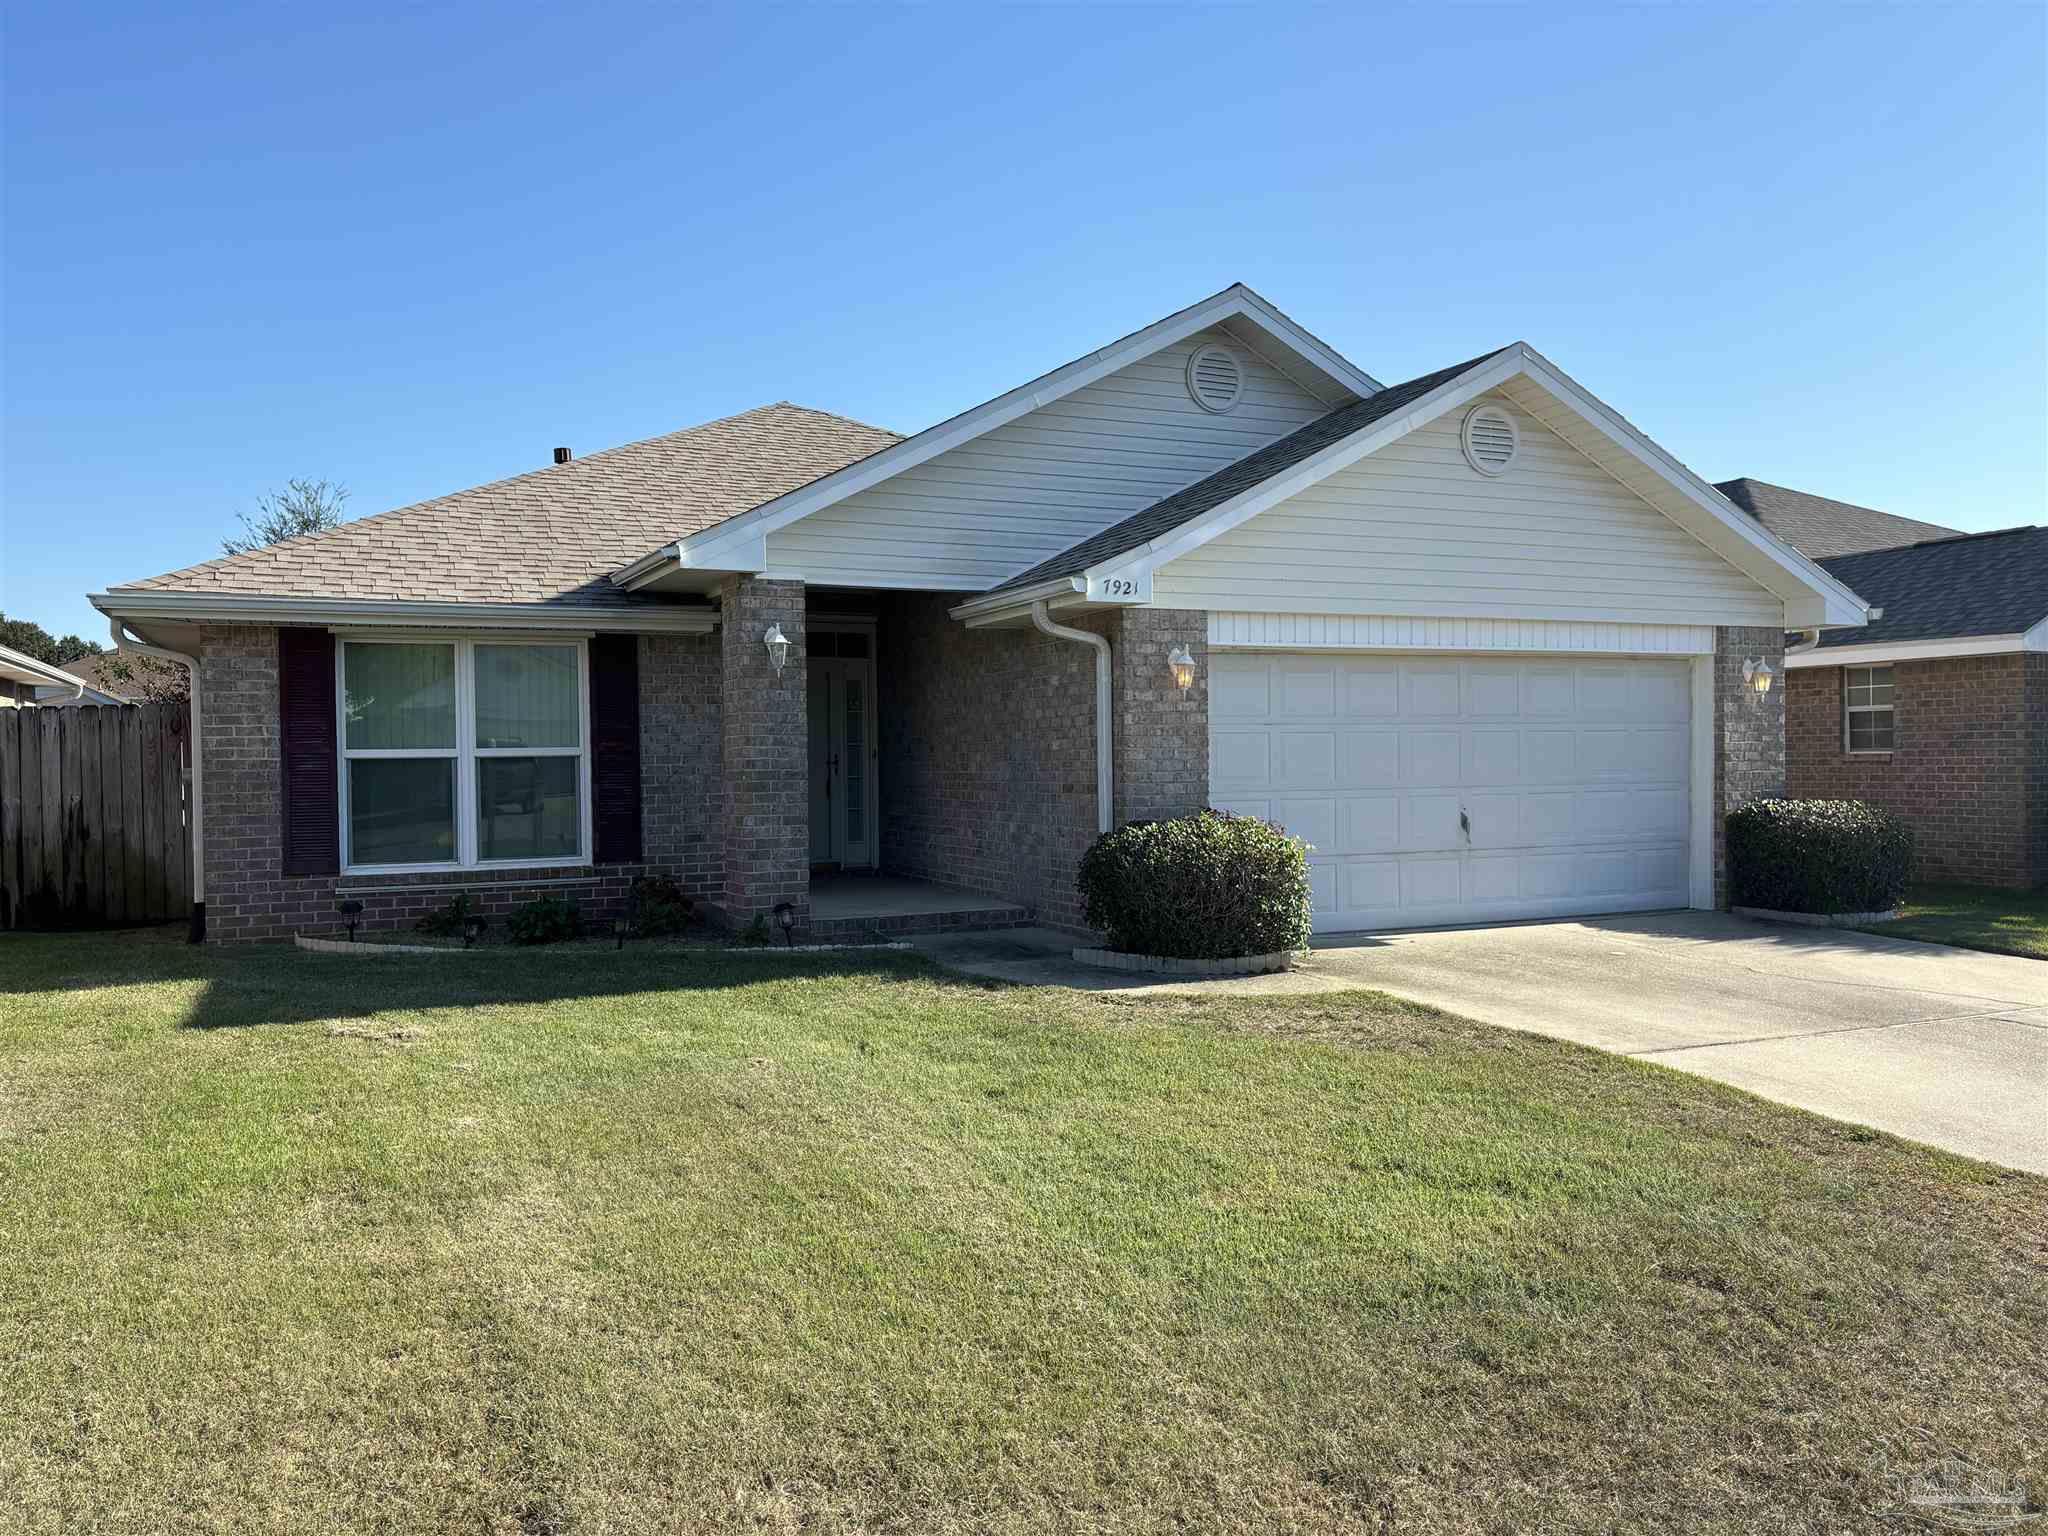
785 914
1758 675
778 647
1183 668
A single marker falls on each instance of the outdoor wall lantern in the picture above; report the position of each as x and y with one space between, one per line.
1183 667
778 647
1758 675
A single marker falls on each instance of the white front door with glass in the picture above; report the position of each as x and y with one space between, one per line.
463 753
841 700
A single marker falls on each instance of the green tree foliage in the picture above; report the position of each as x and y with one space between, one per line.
31 639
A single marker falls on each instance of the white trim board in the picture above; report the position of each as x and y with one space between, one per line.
1351 632
1247 316
1881 651
1812 597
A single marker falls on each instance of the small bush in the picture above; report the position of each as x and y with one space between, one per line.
446 921
1817 856
658 906
1207 887
755 934
545 920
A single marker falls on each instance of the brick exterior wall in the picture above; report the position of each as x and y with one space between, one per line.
988 745
987 756
1160 735
765 753
1749 733
249 898
1969 770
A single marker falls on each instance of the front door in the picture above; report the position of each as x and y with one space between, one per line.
842 702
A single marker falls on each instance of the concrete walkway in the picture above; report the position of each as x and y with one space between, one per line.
1941 1045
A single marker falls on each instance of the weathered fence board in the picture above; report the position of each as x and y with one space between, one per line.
92 815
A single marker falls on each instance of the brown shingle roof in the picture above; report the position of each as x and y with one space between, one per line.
552 535
1819 526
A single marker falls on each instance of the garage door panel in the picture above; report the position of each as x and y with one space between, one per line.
1313 821
1430 690
1368 759
1369 824
1429 757
1240 688
1372 691
1309 692
1492 757
1305 760
1441 789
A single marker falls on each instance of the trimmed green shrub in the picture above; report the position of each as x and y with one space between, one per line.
1212 886
545 920
446 921
657 906
1817 856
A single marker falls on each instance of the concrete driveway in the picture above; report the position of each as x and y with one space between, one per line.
1942 1045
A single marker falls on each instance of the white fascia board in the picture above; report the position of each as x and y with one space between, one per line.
1878 652
19 667
1004 607
1800 578
647 568
198 607
1141 563
709 548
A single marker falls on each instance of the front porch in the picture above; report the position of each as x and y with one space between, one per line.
849 905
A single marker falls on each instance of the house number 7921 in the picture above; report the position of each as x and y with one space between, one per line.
1120 586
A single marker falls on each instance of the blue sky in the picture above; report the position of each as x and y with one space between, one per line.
413 251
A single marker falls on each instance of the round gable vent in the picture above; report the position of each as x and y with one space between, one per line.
1490 439
1215 379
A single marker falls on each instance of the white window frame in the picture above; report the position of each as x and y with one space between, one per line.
466 753
1850 711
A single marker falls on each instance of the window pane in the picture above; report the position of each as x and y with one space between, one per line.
401 810
526 696
527 808
399 696
1871 731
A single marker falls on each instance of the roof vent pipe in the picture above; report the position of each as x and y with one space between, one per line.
563 455
1104 774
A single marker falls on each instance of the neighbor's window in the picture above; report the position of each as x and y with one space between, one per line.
1868 724
462 752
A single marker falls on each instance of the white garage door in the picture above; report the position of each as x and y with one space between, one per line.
1441 789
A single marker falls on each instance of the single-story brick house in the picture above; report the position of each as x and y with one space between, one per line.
1492 651
1939 708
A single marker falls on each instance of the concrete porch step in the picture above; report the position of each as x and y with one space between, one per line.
843 930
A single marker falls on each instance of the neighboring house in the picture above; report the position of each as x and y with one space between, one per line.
1820 528
26 680
99 687
1473 636
1939 709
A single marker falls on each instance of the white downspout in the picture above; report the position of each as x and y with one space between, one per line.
195 799
1105 787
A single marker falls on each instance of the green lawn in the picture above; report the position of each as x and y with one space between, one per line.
1975 917
557 1244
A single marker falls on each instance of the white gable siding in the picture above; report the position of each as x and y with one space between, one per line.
984 511
1414 529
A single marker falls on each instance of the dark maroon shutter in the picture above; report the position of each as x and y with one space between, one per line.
305 711
615 747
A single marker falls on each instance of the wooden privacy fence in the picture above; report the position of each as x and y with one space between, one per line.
92 816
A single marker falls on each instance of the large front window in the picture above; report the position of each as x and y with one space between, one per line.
463 752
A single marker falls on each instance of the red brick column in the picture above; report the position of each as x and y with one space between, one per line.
765 752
